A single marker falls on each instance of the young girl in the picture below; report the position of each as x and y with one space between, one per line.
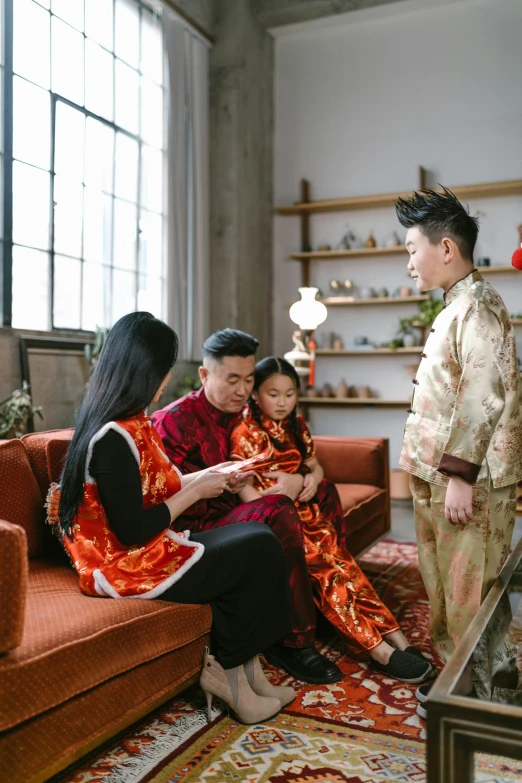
272 429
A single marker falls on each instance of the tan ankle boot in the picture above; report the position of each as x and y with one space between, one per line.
260 685
249 707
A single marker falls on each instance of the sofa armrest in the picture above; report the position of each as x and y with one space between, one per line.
13 584
354 460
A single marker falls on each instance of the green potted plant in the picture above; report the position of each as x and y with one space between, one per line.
405 336
15 409
428 311
187 383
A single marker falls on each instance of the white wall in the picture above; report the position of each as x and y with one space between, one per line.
363 99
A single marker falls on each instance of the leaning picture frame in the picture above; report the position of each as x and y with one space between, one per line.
32 344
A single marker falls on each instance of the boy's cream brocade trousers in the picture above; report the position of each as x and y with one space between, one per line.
459 563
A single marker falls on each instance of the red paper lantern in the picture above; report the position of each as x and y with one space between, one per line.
516 259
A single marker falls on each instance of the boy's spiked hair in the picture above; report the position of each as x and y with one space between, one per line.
439 215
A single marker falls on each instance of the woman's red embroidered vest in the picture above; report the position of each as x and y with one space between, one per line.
105 566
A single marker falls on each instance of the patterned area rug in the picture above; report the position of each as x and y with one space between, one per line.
363 729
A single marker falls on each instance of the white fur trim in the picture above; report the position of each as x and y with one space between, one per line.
111 425
104 587
178 471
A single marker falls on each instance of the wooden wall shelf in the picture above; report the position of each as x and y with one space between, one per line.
491 270
481 190
369 351
358 252
346 301
375 402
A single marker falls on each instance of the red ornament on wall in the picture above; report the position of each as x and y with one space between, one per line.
516 258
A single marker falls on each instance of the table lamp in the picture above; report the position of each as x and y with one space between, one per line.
307 313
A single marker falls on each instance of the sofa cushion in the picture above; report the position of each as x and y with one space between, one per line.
361 503
361 460
13 584
73 642
21 501
36 443
55 452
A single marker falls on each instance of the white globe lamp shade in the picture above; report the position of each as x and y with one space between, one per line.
308 313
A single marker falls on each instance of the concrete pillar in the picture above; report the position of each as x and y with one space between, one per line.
241 127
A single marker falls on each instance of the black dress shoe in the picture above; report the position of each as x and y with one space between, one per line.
306 664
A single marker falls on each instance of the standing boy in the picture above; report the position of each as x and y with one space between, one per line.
463 437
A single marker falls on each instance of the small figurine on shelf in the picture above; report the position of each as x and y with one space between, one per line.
347 241
337 344
370 242
393 240
336 287
324 248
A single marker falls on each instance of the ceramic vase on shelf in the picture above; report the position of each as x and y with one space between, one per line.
409 339
341 390
326 390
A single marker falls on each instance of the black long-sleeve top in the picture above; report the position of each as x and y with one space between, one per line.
117 475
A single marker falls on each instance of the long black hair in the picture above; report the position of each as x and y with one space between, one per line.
137 355
272 365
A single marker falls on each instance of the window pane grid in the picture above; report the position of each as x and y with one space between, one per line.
121 256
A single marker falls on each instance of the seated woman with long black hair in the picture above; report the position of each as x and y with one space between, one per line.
117 498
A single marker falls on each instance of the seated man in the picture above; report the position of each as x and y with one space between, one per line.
196 432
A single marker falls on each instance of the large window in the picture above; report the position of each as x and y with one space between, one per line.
84 162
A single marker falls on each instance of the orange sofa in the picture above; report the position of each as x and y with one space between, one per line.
360 469
76 670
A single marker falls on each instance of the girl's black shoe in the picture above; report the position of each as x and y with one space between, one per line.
405 667
414 651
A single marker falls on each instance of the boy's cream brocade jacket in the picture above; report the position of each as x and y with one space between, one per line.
465 417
